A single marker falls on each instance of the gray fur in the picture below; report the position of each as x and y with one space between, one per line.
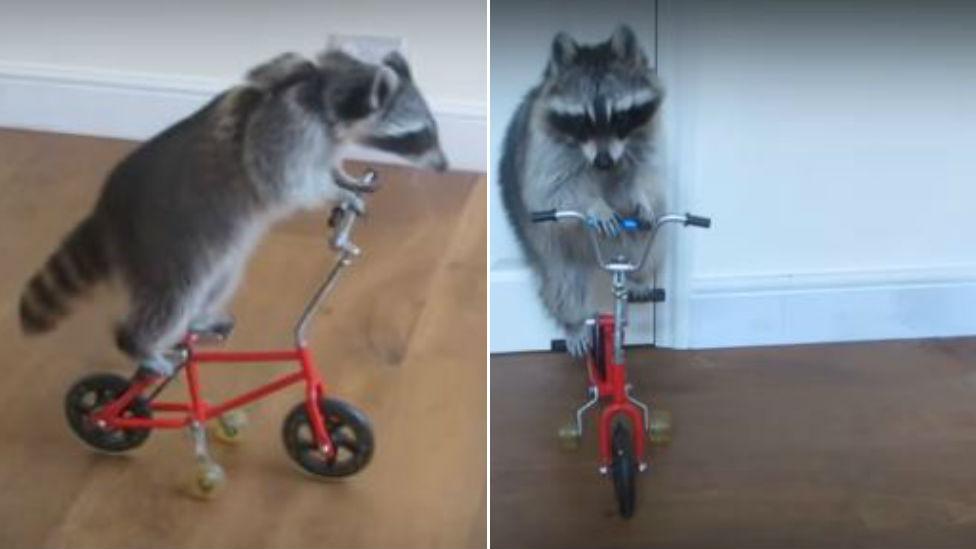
551 163
178 218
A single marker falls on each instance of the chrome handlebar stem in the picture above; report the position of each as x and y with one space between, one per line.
344 219
349 210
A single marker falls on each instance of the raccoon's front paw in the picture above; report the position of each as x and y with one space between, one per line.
604 219
355 203
644 212
578 341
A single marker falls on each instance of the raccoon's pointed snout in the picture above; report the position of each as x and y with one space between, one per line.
435 160
603 161
441 165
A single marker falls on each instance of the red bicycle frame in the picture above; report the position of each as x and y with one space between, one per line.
611 386
198 410
605 363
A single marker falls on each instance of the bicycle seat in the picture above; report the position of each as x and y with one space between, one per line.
647 295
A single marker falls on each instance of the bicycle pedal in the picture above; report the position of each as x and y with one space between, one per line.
557 345
656 295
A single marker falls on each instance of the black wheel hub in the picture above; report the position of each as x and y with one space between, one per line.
350 431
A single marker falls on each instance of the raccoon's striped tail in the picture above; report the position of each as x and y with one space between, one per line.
77 265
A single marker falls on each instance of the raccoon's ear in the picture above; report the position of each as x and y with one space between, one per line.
395 61
564 50
385 82
624 46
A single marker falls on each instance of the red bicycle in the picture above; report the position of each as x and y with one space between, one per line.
323 435
624 421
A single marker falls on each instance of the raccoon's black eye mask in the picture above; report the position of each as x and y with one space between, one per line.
408 144
620 123
625 122
579 127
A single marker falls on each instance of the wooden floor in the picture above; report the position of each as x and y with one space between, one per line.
856 445
403 338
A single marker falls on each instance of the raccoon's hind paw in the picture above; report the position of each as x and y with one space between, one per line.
218 326
578 341
157 365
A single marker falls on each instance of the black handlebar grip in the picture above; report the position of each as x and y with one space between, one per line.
698 221
545 215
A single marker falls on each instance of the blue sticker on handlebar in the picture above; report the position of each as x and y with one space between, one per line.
630 224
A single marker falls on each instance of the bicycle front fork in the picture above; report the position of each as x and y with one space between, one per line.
593 394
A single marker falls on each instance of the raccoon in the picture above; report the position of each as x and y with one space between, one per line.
178 217
582 139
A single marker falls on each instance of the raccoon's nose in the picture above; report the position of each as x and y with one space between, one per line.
439 161
603 161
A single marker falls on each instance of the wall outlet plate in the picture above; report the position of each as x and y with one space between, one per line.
367 47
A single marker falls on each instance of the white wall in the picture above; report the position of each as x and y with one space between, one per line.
194 48
833 143
521 38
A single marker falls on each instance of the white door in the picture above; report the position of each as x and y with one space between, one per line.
521 38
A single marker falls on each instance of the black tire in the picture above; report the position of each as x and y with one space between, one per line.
93 392
624 470
350 431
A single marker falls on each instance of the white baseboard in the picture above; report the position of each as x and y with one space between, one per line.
779 310
772 310
136 106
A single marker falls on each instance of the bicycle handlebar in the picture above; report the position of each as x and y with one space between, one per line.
341 219
628 224
543 216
